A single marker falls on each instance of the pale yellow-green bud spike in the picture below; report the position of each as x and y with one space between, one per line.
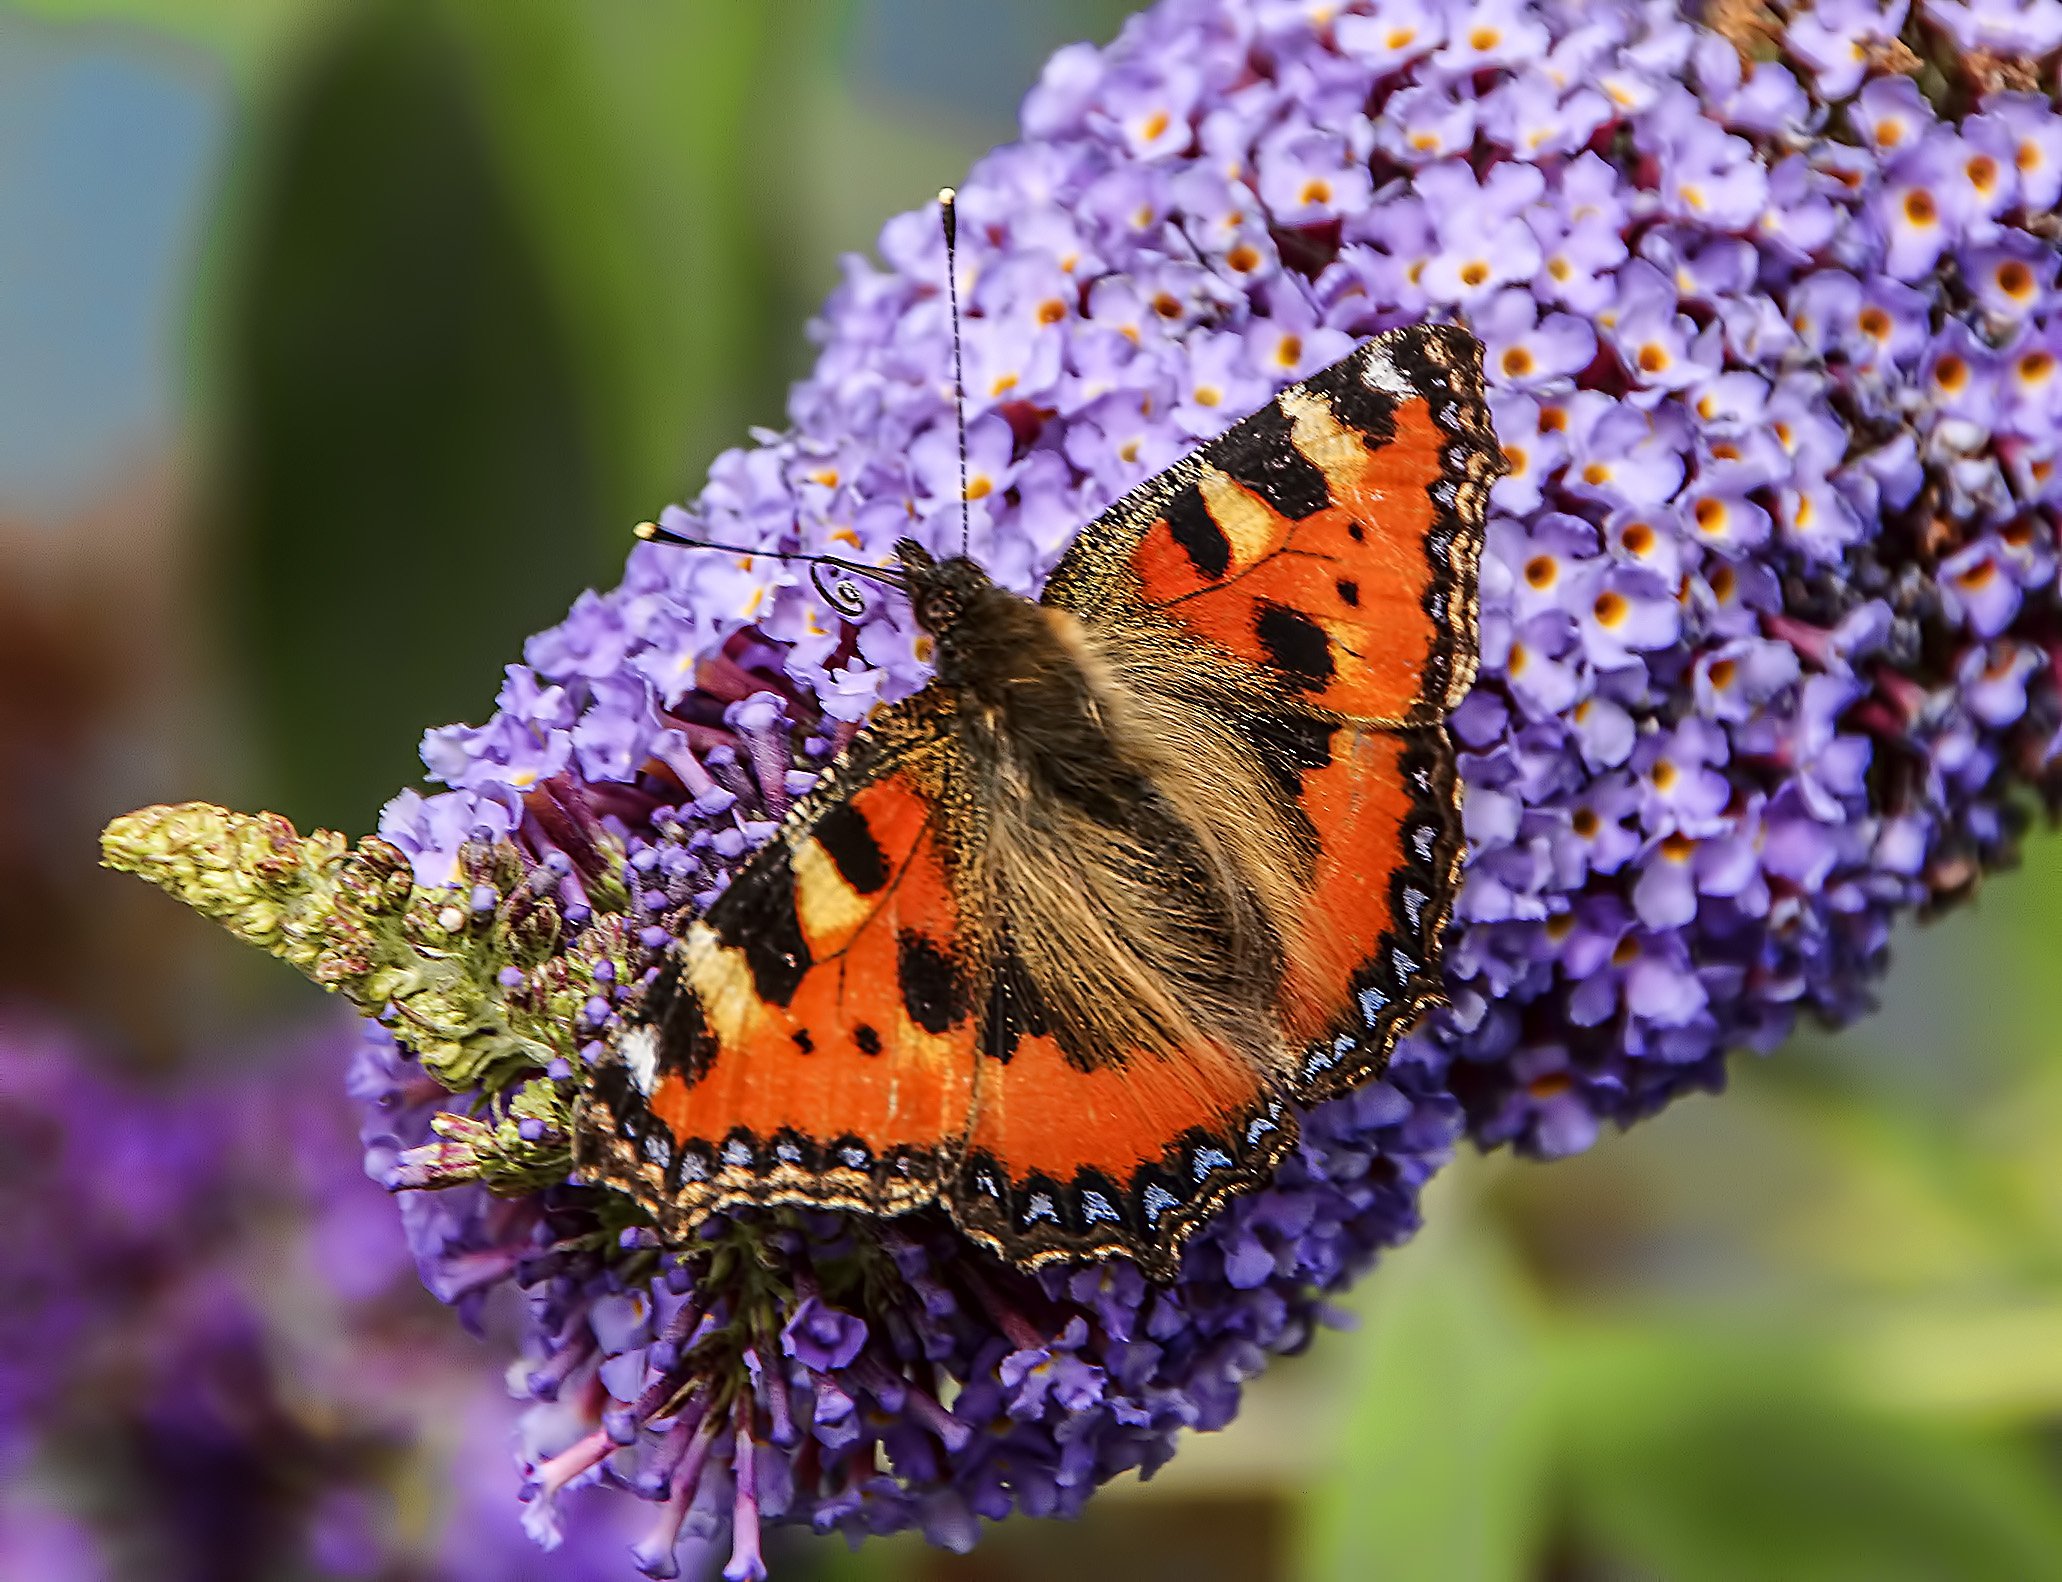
425 960
249 872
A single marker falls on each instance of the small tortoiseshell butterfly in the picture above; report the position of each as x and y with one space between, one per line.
1063 940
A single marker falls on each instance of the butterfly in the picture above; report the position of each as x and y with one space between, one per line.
1063 942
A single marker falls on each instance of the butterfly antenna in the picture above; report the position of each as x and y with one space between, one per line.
841 596
948 217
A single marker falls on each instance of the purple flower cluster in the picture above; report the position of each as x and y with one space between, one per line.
1769 639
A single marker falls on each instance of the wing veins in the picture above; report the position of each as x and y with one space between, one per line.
1286 547
874 916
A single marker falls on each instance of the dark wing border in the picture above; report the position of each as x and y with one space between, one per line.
1406 975
1040 1220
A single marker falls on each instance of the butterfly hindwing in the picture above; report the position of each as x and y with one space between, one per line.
1387 819
1066 1159
811 1038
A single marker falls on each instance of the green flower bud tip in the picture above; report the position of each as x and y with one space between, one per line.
427 961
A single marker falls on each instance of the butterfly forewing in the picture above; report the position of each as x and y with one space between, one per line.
1330 540
811 1039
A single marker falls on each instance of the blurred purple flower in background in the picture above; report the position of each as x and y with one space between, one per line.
213 1363
1769 638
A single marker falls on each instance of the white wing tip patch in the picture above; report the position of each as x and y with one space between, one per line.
1379 372
640 1051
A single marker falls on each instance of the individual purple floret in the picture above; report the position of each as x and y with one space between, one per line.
1769 637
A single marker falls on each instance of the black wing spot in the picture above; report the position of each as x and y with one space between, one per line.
1261 454
1016 1010
804 1042
932 987
1368 411
844 833
686 1045
1198 534
1296 645
611 1085
1348 591
1356 532
867 1039
1290 745
756 916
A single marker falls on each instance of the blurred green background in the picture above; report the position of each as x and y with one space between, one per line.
327 321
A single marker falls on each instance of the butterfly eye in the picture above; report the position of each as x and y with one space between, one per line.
936 609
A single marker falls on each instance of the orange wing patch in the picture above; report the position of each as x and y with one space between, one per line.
811 1039
1332 602
1360 808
